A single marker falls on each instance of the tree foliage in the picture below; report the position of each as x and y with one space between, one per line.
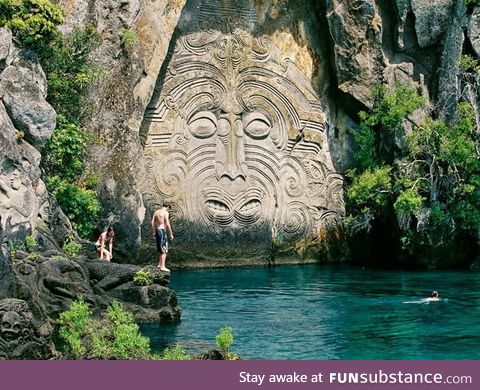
33 22
70 71
433 184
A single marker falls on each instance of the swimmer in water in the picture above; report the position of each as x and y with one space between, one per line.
432 298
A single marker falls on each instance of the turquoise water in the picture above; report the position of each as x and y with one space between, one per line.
313 312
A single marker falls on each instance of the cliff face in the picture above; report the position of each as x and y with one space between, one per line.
238 112
26 123
198 62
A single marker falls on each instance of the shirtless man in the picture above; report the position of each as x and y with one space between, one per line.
160 225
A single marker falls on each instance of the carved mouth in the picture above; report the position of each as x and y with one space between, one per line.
217 208
223 208
10 335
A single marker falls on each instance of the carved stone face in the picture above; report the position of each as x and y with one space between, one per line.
11 326
235 140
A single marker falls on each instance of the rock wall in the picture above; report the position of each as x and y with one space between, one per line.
172 116
120 99
26 122
236 111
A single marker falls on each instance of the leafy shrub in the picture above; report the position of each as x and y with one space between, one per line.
224 340
143 278
371 189
64 168
175 353
34 22
65 150
433 179
119 337
74 325
31 242
71 247
129 37
32 256
115 337
469 64
472 3
409 201
71 70
14 246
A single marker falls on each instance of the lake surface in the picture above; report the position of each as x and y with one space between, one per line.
319 312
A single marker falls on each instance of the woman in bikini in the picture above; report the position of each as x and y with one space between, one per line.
104 239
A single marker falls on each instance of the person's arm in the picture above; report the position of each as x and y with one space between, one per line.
153 225
167 222
110 247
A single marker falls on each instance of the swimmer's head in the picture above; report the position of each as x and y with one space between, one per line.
434 294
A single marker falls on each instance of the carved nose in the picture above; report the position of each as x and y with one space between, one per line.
230 154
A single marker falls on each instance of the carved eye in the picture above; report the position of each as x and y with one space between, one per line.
257 125
203 124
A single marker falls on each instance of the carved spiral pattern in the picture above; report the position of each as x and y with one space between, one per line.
297 221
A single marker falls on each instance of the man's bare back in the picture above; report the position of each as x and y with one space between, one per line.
160 226
159 218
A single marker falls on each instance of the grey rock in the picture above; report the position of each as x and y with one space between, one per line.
21 337
120 100
448 91
25 117
403 7
6 275
431 20
474 30
50 285
24 87
5 43
356 29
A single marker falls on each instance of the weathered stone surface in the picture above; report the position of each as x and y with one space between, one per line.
235 137
5 43
20 336
6 275
23 87
50 285
120 100
24 200
448 91
356 30
403 7
474 30
431 20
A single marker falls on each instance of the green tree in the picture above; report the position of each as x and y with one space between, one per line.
34 22
434 180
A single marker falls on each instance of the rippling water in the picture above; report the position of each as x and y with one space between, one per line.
313 312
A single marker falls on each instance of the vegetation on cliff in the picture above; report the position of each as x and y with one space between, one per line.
427 178
70 71
116 336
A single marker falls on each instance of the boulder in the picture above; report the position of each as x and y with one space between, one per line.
474 30
356 30
21 337
5 43
431 20
51 284
23 86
